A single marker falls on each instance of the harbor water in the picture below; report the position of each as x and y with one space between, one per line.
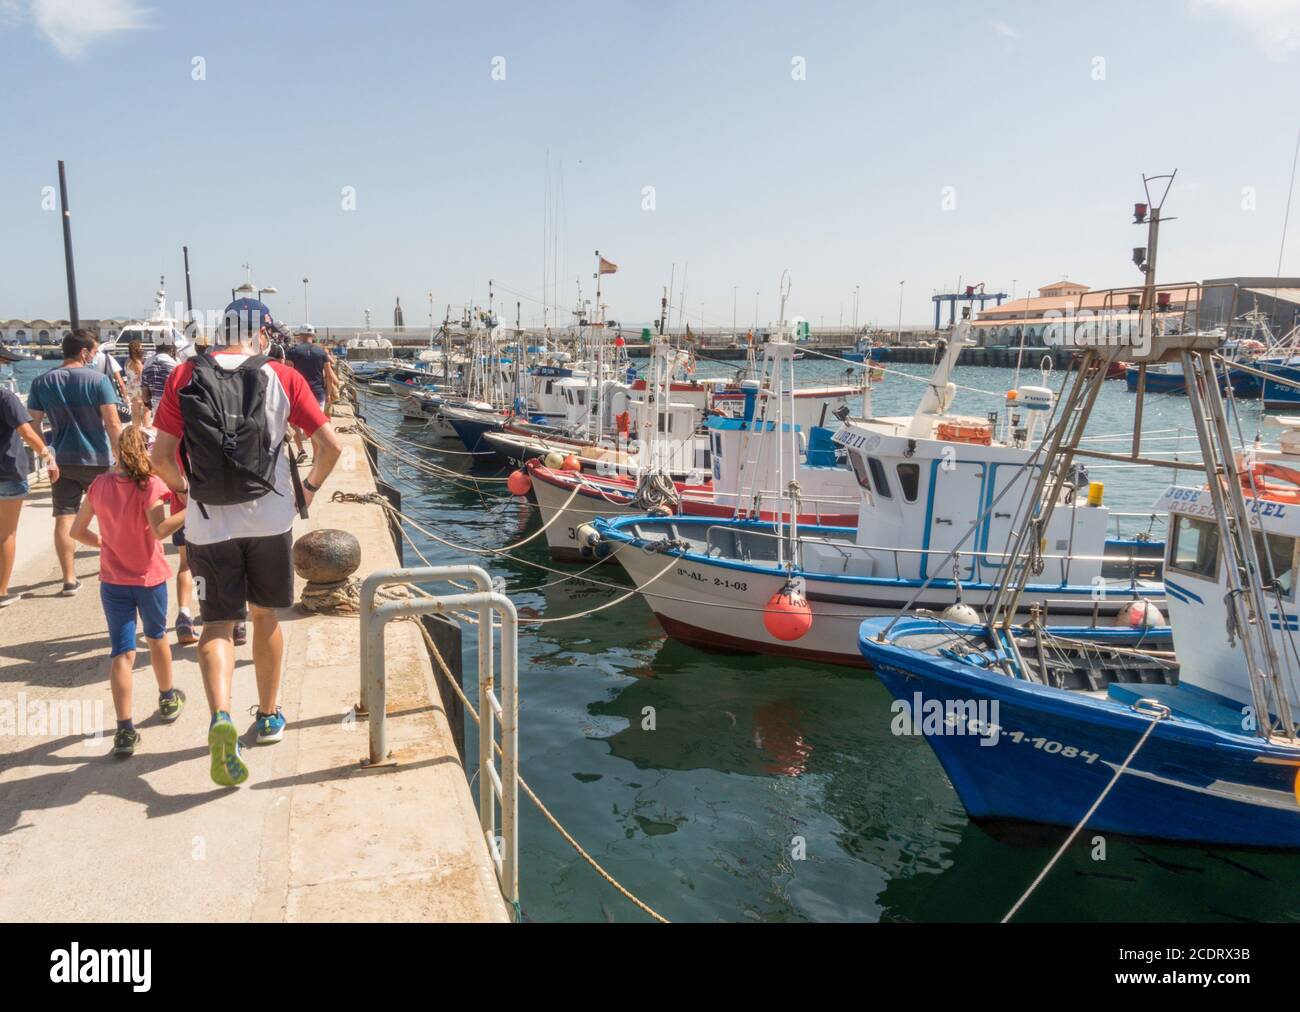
722 787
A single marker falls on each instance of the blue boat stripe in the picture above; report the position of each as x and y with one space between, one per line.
1183 592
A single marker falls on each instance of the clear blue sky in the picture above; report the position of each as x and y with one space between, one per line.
839 177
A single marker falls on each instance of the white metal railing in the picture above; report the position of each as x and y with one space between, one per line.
494 786
980 559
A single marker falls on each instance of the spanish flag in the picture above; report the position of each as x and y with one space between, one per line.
606 267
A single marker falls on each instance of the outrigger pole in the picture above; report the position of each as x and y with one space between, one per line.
74 318
1145 260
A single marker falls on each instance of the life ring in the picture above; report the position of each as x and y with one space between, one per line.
979 433
1253 482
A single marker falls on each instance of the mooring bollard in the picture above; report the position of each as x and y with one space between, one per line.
326 559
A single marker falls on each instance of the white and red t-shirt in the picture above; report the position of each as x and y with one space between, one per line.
289 401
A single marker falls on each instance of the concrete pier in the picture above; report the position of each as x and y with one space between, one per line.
312 836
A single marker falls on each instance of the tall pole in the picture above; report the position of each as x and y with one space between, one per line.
898 338
189 295
756 312
733 310
306 314
74 318
597 286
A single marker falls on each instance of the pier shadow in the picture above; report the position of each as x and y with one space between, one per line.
349 771
74 777
60 662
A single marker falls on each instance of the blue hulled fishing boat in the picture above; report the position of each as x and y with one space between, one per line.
1110 729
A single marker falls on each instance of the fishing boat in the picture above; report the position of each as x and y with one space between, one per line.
937 495
1203 750
1168 377
159 328
744 460
367 345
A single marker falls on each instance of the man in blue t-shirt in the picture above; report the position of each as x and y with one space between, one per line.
81 406
313 363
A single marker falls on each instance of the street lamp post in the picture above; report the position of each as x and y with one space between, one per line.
898 338
306 315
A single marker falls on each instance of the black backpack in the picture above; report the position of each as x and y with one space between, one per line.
227 450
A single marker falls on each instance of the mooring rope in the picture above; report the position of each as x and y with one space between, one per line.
1159 713
532 796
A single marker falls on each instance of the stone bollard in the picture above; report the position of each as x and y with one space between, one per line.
326 559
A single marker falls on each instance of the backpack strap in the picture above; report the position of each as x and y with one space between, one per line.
299 498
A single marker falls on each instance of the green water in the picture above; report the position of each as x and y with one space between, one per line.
754 759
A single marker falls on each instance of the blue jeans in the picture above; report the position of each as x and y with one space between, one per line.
121 602
13 488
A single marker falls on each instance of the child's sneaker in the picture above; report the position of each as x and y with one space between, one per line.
270 727
228 766
170 707
125 741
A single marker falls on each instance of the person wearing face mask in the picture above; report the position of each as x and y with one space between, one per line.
228 415
81 405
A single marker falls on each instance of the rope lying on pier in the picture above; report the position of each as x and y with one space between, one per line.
1156 715
532 796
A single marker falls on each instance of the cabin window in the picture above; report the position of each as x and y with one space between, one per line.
909 480
1277 561
1195 547
548 385
878 478
860 469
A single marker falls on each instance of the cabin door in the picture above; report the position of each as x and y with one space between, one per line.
952 506
1000 520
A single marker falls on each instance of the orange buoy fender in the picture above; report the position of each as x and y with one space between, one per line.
519 483
787 616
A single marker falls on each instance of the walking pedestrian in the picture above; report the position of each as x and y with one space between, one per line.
129 503
81 405
15 429
156 372
313 362
228 415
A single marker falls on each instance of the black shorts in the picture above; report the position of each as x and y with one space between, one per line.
74 480
229 573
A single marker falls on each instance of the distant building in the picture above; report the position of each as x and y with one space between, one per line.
1061 302
52 332
1278 298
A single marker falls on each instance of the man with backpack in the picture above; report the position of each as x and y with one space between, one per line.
228 414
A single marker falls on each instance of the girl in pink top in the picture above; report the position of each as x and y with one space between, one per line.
130 502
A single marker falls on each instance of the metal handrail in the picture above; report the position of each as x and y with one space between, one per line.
494 787
849 546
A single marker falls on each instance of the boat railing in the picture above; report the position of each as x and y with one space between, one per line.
985 558
1151 516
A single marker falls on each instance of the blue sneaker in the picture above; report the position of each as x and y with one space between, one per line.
228 766
270 726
